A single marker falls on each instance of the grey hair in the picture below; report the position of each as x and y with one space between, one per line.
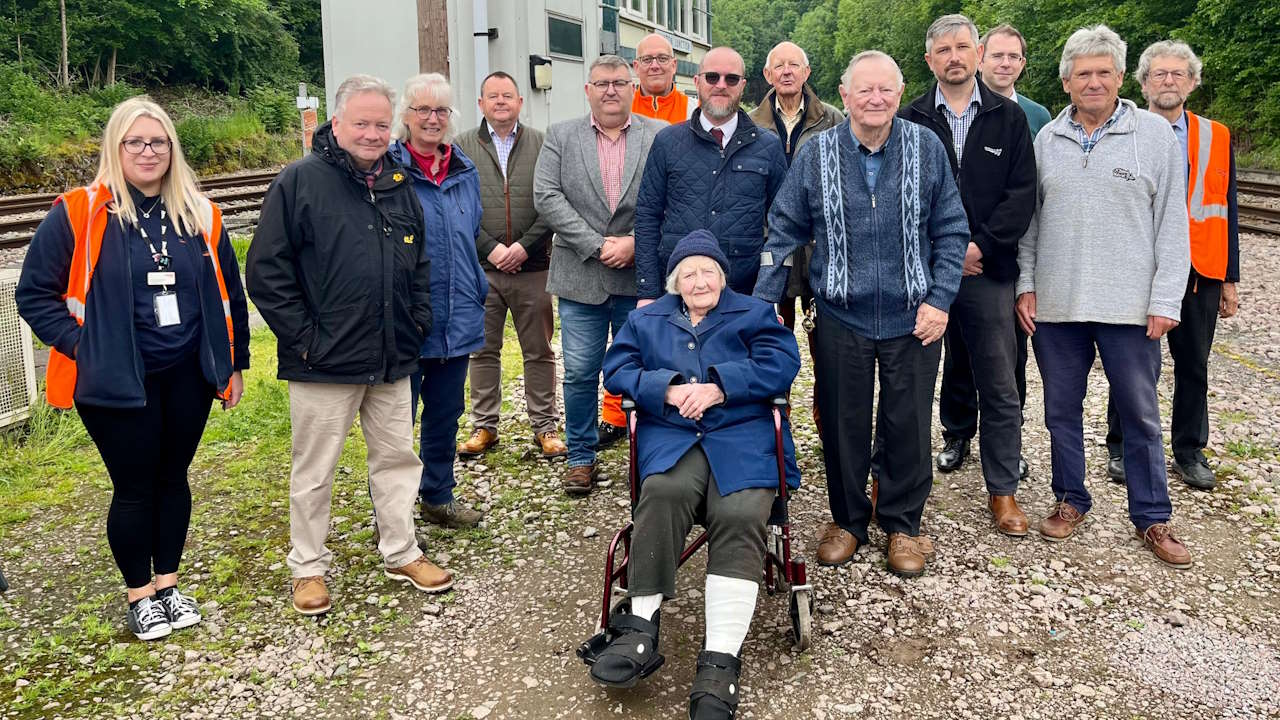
1168 48
612 62
357 84
1091 41
869 55
946 25
433 85
673 276
768 59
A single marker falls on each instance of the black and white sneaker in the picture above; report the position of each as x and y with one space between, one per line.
148 619
181 609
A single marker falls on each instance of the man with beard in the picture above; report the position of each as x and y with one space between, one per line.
715 172
1168 72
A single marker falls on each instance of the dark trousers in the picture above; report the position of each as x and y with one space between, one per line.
846 368
1065 354
1189 345
147 451
958 399
440 383
671 502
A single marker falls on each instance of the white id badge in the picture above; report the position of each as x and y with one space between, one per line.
161 278
166 307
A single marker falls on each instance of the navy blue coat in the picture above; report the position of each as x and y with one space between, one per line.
451 215
740 346
690 184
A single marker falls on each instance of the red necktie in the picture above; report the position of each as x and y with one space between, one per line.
718 134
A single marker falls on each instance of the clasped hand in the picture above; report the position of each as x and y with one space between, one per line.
693 399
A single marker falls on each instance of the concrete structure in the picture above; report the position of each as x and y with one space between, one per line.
467 39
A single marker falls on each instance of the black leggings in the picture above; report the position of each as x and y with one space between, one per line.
147 451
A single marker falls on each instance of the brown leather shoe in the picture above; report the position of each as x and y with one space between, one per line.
836 545
482 440
1159 537
551 444
422 574
925 545
1009 518
310 596
579 479
1061 523
904 555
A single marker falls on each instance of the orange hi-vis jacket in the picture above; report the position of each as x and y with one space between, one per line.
1208 181
88 213
672 108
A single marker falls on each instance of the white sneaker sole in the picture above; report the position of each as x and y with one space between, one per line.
180 624
424 588
156 634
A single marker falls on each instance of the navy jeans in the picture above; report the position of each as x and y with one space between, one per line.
1065 354
584 336
440 382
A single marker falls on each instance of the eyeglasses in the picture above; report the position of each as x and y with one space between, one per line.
654 59
135 146
1177 75
1001 57
425 111
730 79
604 85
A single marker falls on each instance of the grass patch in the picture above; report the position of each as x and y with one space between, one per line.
1249 450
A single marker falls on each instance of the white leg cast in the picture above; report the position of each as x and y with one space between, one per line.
730 604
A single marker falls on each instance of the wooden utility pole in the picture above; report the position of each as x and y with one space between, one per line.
433 36
64 72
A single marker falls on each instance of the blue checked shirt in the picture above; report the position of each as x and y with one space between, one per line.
959 123
1088 140
503 146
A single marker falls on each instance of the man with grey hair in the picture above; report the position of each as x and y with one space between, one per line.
1103 268
339 270
991 156
584 187
716 172
1168 72
877 197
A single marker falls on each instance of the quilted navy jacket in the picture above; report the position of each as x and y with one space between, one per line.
690 184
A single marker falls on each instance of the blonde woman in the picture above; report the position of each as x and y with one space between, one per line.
142 356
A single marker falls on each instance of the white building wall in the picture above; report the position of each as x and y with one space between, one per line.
358 40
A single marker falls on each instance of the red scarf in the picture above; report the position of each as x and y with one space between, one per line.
424 162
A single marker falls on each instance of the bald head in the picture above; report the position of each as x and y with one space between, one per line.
655 65
720 56
786 69
717 96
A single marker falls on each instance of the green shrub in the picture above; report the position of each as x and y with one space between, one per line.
276 108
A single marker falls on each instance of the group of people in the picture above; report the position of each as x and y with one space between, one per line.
387 261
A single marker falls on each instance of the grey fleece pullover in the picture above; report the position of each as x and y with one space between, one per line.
1109 241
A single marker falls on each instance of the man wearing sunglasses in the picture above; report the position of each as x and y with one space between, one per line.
715 172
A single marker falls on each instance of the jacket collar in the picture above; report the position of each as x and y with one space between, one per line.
484 130
746 132
1127 123
459 163
989 101
325 146
668 306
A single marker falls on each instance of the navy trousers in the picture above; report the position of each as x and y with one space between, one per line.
1065 353
440 383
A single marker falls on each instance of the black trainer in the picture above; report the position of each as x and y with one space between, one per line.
1197 474
953 454
148 619
607 435
181 609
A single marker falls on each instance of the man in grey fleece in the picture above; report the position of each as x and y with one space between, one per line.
1103 269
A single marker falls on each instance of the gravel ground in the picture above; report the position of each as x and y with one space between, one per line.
1091 628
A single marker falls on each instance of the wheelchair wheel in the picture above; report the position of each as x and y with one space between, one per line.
801 619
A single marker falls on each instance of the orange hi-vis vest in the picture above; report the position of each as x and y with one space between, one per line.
672 107
88 214
1209 158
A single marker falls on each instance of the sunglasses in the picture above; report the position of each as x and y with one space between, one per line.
730 79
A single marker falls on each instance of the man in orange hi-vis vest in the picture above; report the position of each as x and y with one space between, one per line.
1168 72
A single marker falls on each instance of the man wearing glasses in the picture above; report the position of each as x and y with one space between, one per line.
584 187
715 172
655 67
1002 64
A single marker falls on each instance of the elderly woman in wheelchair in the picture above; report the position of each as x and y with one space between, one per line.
701 365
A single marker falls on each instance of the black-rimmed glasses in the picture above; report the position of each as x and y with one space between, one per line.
135 146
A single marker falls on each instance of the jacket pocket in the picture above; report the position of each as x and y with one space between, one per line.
748 177
341 339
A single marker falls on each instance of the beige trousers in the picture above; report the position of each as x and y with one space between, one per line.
322 414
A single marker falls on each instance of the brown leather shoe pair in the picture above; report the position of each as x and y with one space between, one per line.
906 555
482 440
550 444
1009 518
1061 523
310 596
836 545
1170 551
579 479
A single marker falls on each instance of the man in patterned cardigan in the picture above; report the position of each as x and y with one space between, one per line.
877 195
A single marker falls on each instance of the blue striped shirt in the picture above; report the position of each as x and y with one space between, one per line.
1088 140
503 146
959 123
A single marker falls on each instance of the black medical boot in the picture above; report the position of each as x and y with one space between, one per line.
715 687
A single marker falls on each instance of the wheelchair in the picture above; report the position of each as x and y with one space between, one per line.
782 572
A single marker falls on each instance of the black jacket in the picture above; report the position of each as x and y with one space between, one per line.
998 180
339 271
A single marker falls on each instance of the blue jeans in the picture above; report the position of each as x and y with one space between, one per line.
1131 361
440 382
584 336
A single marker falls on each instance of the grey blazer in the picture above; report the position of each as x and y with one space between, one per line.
569 195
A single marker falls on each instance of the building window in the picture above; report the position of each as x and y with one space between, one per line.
564 37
